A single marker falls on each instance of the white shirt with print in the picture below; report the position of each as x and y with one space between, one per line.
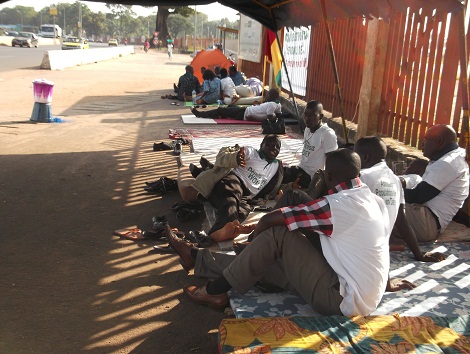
257 172
384 183
316 145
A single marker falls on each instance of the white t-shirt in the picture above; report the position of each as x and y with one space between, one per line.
316 145
449 174
228 88
262 111
257 172
384 183
358 248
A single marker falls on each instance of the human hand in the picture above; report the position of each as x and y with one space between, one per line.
296 184
432 257
399 284
241 157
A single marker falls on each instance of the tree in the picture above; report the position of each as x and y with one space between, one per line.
123 13
178 24
161 23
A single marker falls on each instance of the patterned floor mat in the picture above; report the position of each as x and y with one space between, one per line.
442 289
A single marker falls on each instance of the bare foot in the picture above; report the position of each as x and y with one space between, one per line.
229 231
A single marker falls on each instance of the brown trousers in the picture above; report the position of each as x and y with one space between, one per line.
423 222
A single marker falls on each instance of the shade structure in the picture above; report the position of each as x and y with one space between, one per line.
209 59
276 14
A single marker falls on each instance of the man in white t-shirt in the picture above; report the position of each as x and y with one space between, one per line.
239 174
384 183
342 270
227 87
270 109
319 139
432 204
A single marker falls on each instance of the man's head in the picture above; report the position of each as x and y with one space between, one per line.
203 68
341 165
189 69
232 70
272 95
208 75
371 150
223 73
437 138
270 146
313 115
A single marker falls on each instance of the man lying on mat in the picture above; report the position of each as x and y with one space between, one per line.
267 110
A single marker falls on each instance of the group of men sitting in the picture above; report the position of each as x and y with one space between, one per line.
328 236
222 84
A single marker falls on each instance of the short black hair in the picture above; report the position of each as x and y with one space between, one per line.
223 73
372 145
344 164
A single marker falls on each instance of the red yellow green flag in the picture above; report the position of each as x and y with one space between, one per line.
273 54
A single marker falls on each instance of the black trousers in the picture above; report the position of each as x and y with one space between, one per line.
233 112
230 198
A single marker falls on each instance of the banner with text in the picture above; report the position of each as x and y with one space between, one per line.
296 48
250 39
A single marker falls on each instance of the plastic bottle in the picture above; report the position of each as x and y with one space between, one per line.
194 96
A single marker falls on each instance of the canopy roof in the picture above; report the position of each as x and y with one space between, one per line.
276 14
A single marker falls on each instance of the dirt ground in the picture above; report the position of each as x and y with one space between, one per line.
67 283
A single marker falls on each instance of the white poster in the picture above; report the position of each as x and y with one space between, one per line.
250 39
296 48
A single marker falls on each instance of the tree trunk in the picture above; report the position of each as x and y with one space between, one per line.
161 24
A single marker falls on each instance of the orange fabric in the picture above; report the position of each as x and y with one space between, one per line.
209 59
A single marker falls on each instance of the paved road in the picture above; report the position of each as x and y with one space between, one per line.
26 58
68 285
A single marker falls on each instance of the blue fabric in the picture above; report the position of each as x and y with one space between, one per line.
212 87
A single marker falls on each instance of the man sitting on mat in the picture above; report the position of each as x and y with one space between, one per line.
239 175
186 84
267 110
340 268
431 205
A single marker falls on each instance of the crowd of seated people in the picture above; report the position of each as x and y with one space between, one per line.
336 218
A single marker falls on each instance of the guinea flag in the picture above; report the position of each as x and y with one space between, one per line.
273 55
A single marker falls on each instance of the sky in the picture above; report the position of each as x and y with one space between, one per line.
214 11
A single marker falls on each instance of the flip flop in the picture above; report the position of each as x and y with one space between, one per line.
132 233
163 249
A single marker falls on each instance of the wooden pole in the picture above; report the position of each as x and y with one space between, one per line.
335 68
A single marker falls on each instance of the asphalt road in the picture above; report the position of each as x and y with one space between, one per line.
15 58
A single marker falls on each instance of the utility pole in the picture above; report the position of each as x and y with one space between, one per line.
80 30
195 22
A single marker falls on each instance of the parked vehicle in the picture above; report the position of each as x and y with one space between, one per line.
11 33
25 39
113 42
75 43
50 31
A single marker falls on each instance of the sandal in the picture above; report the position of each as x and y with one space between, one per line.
180 205
185 214
200 238
132 233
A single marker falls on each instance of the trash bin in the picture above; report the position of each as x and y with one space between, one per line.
42 90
